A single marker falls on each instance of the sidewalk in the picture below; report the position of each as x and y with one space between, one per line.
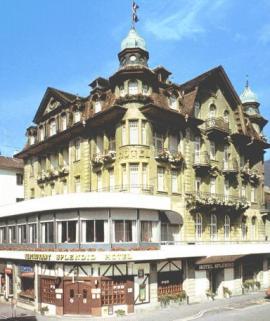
171 313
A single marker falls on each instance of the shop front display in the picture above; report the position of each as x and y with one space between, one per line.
27 282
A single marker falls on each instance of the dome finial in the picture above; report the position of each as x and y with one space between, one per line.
248 96
134 16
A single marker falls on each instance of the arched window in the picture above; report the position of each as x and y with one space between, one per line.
226 116
173 103
52 127
244 229
41 133
64 121
145 89
253 228
212 111
198 226
77 116
227 227
133 87
31 139
122 91
213 227
97 107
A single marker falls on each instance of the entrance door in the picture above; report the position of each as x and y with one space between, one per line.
215 278
77 297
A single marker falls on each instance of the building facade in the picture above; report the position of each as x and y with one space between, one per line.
142 190
11 180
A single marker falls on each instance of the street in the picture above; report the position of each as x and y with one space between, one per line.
248 307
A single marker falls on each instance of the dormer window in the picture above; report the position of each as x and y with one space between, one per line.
226 116
97 107
212 111
133 87
64 121
77 116
52 127
41 133
145 89
31 140
173 102
122 91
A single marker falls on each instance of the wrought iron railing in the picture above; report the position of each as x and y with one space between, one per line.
201 159
139 188
231 165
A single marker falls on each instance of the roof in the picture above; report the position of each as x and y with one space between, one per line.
248 96
11 163
133 40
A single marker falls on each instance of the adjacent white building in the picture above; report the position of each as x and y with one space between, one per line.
11 180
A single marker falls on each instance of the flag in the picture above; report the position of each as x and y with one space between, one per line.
134 7
135 17
134 12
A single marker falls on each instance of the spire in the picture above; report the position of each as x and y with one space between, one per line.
248 96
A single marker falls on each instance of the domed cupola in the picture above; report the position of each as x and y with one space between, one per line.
133 50
248 96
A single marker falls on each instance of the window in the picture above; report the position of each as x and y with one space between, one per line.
226 189
253 228
65 157
12 234
243 190
54 161
94 231
148 231
173 102
212 150
77 150
22 233
3 235
134 177
145 89
174 181
112 146
122 231
65 187
97 106
31 140
124 177
47 232
145 175
124 137
212 111
169 232
111 179
197 184
196 109
252 194
122 91
64 121
173 143
133 88
160 179
244 229
226 156
144 138
41 133
212 185
77 116
99 181
227 227
32 233
158 142
19 179
77 185
67 232
213 227
226 116
197 148
198 226
52 127
99 144
133 132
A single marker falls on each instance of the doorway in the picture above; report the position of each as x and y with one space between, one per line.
215 276
77 297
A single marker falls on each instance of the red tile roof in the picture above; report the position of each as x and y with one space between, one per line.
11 163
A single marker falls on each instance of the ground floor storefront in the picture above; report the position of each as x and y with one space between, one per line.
107 288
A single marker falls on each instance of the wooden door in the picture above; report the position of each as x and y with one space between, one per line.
84 297
71 298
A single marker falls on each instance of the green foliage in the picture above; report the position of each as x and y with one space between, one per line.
210 294
120 312
227 292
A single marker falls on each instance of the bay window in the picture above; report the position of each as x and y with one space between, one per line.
93 231
67 232
133 132
133 87
47 232
123 231
149 231
158 142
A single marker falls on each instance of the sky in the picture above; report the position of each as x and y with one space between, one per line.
68 43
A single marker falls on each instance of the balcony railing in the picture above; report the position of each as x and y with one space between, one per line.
171 156
201 159
230 167
212 200
134 188
107 157
217 124
51 174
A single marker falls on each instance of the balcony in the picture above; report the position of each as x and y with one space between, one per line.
214 202
251 176
216 128
100 159
137 188
202 161
175 158
230 168
52 174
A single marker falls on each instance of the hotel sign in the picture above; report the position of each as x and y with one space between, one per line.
81 257
215 266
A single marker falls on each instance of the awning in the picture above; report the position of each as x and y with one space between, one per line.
27 275
217 262
171 217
